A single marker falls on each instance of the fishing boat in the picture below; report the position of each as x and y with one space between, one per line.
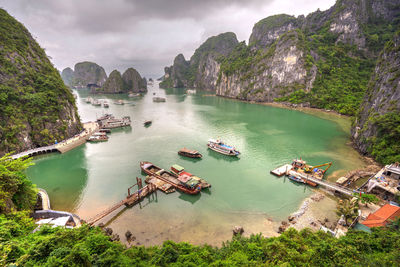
220 147
147 123
119 102
96 102
158 99
188 187
189 153
180 171
105 104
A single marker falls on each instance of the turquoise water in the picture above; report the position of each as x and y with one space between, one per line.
94 176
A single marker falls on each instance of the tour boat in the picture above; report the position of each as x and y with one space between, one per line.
188 187
98 137
180 171
96 103
220 147
189 153
158 99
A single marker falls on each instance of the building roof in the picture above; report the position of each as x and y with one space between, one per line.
382 216
395 168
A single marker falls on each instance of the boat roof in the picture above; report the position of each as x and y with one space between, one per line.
189 151
177 167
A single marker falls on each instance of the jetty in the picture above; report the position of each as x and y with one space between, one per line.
131 200
64 146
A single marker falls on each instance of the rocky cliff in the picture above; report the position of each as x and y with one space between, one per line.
322 60
133 82
202 69
68 76
113 85
36 108
84 74
376 131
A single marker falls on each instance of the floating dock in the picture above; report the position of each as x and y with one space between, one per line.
283 170
163 186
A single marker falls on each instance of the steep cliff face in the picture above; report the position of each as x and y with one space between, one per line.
376 131
68 76
36 108
323 60
88 73
113 85
133 81
196 72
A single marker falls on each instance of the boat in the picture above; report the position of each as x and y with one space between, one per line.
134 95
158 99
96 102
296 179
119 102
180 171
88 100
188 187
105 104
98 137
105 130
147 123
189 153
220 147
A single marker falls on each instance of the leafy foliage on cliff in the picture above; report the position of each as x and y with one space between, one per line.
16 191
33 97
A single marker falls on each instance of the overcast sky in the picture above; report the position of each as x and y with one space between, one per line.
144 34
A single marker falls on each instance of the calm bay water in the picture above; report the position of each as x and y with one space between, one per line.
95 176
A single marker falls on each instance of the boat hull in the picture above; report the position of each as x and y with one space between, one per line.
221 151
189 155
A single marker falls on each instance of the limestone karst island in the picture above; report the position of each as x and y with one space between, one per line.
200 133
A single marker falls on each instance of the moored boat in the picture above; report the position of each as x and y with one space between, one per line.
158 99
96 102
119 102
98 137
220 147
189 153
134 95
296 179
180 171
89 100
191 188
147 123
105 104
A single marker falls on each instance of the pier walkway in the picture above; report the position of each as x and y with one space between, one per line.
64 146
326 184
129 201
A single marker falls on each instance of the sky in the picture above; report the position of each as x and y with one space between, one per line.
144 34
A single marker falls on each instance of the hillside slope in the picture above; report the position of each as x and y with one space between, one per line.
36 108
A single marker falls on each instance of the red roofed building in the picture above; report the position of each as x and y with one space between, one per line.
382 216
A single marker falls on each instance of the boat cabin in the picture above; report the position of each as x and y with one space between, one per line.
299 163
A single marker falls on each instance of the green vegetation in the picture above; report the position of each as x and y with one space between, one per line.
33 96
385 146
89 246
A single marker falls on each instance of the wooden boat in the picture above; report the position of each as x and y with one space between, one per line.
168 177
180 171
220 147
96 102
158 99
147 123
189 153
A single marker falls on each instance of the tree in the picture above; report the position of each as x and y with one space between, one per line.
369 198
348 208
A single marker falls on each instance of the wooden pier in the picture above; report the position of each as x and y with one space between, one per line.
129 201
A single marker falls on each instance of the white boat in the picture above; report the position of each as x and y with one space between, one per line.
158 99
96 102
134 95
89 100
105 104
220 147
119 102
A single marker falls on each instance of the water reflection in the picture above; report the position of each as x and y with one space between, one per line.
190 198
